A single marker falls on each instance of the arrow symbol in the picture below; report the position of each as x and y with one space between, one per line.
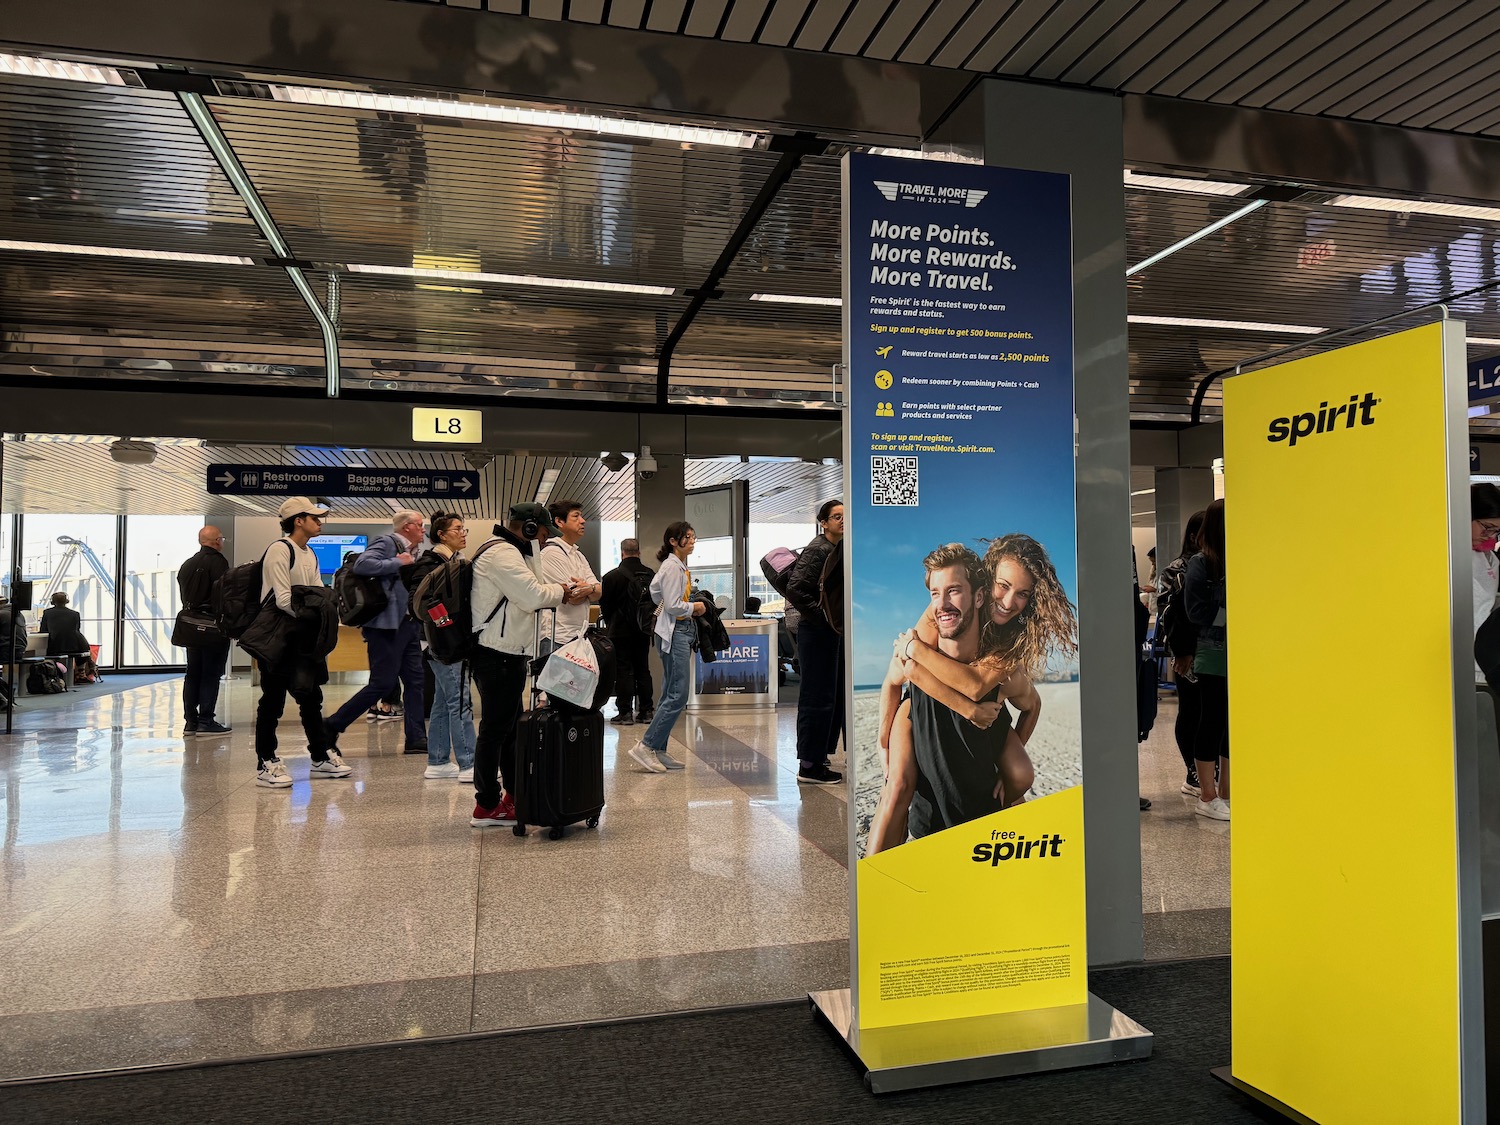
464 485
224 478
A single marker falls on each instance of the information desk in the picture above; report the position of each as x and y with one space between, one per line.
744 675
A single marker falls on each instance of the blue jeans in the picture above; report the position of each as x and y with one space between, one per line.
676 669
452 722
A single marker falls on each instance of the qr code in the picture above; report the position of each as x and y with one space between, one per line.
893 482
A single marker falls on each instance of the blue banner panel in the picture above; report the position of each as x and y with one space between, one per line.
314 480
1484 379
744 668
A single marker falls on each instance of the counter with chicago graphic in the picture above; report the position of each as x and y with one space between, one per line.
742 676
965 753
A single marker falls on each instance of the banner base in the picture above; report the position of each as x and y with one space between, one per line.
1223 1074
917 1056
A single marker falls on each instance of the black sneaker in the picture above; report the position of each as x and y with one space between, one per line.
1190 787
818 775
623 719
645 717
189 730
415 748
209 728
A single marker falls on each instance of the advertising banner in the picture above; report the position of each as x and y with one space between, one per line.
744 668
965 756
1350 641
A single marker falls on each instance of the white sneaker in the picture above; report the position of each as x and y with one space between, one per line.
1217 809
466 775
646 758
333 767
272 774
442 772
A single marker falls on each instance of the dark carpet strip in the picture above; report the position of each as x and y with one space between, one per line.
756 1066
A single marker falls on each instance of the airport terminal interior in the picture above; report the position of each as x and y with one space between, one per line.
270 242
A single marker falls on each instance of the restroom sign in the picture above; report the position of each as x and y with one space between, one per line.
447 427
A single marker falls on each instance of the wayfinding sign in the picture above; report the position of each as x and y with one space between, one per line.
314 480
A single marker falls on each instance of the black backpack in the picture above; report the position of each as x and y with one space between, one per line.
639 593
237 595
45 679
442 604
360 598
1173 629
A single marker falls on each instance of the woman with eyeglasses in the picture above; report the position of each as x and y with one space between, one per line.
675 632
1484 532
450 729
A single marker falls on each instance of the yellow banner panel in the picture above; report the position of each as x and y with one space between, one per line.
985 917
1344 885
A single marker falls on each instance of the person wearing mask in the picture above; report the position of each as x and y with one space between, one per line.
507 596
290 562
1484 532
1180 637
206 661
392 637
634 701
820 655
1205 602
675 633
450 728
563 564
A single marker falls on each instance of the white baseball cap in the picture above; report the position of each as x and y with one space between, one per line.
302 506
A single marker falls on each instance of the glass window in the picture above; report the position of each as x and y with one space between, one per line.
7 536
155 547
74 555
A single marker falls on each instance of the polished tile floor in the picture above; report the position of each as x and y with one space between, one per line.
156 906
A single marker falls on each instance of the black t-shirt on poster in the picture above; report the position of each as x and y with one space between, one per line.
957 765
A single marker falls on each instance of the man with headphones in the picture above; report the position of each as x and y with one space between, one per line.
505 600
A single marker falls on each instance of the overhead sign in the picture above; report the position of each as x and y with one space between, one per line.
967 834
447 427
1347 923
1484 379
312 480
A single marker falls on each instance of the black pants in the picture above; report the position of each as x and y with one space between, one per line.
500 678
1212 741
395 655
303 679
200 686
633 691
1189 704
820 703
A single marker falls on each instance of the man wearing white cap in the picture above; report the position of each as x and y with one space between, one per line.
290 562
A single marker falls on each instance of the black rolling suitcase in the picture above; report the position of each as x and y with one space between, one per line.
559 766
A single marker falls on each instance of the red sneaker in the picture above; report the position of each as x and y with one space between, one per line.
502 815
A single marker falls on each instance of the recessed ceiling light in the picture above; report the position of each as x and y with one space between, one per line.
34 67
122 252
516 115
793 299
514 279
1182 184
1417 207
1230 325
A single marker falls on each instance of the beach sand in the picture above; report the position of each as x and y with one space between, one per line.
1056 749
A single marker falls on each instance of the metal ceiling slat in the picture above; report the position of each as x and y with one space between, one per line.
1291 40
1221 35
508 7
1429 78
784 21
900 25
1023 52
1481 113
1136 43
585 11
1393 44
1474 89
665 15
1112 40
704 18
744 19
823 20
972 31
545 9
860 25
933 31
627 13
1361 40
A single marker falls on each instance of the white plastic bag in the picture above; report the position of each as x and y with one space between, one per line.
571 674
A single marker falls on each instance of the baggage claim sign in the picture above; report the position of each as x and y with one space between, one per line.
965 752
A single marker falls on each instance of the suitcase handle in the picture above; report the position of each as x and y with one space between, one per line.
536 647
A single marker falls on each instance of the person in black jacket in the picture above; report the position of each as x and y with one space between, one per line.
12 631
205 662
64 628
820 652
634 695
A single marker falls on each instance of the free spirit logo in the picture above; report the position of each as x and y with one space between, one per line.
895 191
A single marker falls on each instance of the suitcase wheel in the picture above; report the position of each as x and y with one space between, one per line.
518 829
555 834
592 822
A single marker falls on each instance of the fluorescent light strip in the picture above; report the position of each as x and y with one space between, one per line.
1484 341
545 486
514 279
1417 206
1183 184
120 252
516 115
34 67
1231 325
792 299
948 157
1192 238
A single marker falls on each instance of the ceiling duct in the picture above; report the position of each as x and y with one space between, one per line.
128 451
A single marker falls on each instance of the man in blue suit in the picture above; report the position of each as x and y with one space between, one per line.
392 638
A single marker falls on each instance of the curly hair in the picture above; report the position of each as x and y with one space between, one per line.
1049 623
956 554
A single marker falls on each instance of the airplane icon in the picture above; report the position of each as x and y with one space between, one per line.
885 351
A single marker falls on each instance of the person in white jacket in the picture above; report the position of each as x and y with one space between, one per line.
675 633
505 600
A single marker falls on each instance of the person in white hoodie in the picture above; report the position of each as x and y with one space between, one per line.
505 600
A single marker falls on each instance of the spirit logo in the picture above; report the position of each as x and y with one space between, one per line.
1299 426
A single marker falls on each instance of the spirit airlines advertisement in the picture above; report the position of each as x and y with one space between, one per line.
1350 643
963 632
